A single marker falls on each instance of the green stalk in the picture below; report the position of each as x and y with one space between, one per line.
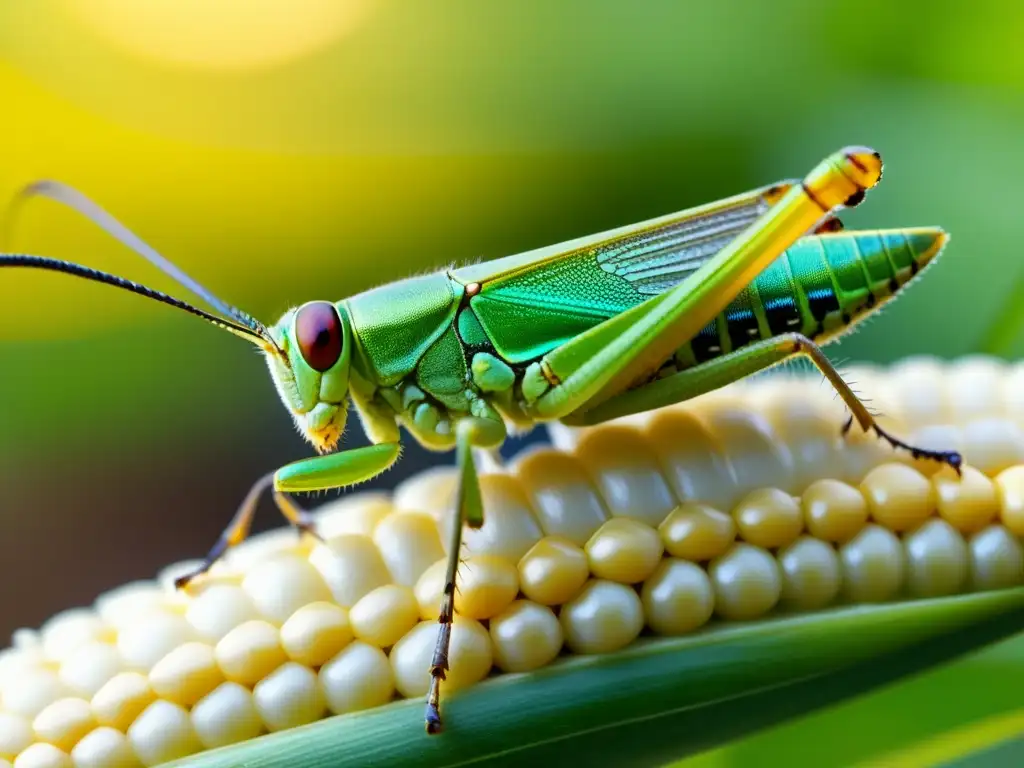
657 701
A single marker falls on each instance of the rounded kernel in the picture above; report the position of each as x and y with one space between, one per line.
383 615
1010 489
470 657
810 574
351 566
359 677
122 699
41 755
768 518
186 674
102 748
747 582
288 697
993 444
408 543
218 609
226 715
604 617
873 564
697 532
315 633
155 635
899 497
525 636
163 732
86 669
486 585
70 629
429 588
128 603
510 527
624 550
553 571
15 734
678 597
937 560
969 502
250 652
281 585
625 469
28 693
997 559
565 502
358 513
64 722
833 511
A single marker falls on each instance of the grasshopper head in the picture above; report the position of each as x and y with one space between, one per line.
310 370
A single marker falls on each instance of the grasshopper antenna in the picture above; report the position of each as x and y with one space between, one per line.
70 268
78 202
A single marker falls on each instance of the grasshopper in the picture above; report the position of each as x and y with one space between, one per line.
585 331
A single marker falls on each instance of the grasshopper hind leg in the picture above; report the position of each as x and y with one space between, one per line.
743 362
240 525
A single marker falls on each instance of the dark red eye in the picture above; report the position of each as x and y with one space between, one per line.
318 334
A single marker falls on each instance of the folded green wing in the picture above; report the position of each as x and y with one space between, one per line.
533 302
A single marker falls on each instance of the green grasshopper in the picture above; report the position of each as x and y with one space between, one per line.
589 330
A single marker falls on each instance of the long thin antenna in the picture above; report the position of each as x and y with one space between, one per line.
78 202
70 268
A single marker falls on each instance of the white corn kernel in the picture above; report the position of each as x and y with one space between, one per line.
874 565
64 722
603 617
553 571
408 544
250 652
564 501
226 715
747 582
470 657
288 697
811 575
624 550
677 598
15 734
697 532
383 615
525 636
768 518
156 634
833 511
163 732
104 748
968 502
351 566
122 699
316 632
186 674
937 560
219 608
997 559
486 586
358 677
87 668
899 497
42 755
282 584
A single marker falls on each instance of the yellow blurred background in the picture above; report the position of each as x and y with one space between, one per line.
284 150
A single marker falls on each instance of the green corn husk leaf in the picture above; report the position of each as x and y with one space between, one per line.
657 701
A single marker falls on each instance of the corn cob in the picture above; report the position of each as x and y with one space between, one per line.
742 504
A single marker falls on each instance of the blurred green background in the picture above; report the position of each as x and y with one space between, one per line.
283 150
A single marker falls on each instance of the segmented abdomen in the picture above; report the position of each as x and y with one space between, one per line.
818 288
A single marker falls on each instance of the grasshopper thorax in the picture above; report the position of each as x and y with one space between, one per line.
311 369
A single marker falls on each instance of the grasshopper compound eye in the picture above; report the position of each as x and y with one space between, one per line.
318 334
